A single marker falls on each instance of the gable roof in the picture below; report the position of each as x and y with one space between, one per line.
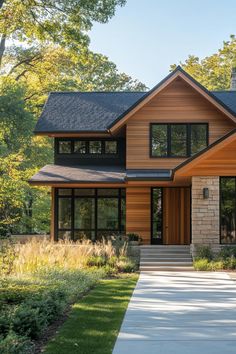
76 112
204 153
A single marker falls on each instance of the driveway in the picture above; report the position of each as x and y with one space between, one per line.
180 313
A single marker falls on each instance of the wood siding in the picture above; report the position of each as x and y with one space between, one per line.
178 103
138 212
176 216
218 162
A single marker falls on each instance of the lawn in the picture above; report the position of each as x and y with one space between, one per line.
94 322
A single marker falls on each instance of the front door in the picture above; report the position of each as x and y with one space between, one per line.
171 216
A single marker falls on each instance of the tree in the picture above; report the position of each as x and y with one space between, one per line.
53 68
213 72
64 22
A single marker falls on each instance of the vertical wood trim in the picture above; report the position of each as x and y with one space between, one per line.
176 216
138 212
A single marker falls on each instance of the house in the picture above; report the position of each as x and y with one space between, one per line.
161 163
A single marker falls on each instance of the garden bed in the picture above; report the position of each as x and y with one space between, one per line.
40 280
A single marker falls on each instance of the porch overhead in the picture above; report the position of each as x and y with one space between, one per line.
53 174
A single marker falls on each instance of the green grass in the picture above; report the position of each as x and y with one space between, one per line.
94 322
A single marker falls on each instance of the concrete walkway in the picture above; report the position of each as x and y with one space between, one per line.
180 313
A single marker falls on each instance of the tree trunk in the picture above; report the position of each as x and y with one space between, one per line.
2 47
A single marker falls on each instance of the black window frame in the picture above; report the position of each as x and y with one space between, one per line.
121 195
220 207
188 139
87 143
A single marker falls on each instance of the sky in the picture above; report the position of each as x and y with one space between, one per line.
146 36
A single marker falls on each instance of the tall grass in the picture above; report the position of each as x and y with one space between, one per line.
41 254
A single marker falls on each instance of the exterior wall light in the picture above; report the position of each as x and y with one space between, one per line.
205 193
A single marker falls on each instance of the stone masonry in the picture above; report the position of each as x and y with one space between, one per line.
205 213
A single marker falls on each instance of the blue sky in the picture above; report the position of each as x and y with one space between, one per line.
146 36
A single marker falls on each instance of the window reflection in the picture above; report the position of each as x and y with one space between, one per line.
228 210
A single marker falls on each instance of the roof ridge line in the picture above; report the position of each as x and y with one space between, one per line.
111 92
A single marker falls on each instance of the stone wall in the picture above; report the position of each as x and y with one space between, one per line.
205 213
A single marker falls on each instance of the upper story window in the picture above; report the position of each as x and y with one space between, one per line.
88 147
178 140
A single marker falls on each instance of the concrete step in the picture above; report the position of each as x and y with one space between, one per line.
175 268
165 256
148 261
169 263
165 246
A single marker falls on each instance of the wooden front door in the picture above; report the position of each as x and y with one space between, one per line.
171 209
176 216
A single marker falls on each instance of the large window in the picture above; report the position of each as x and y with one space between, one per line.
228 209
157 215
87 147
178 140
90 213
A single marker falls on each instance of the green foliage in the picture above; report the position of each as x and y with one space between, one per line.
53 55
62 22
126 265
96 261
7 257
225 259
201 264
133 237
15 344
204 252
214 71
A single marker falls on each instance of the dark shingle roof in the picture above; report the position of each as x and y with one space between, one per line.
227 97
68 112
84 111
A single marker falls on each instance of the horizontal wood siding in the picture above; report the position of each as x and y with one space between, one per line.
176 216
178 103
220 163
138 212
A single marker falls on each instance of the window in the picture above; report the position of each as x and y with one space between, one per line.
159 140
110 147
80 147
228 209
88 147
199 137
95 147
90 213
64 147
157 215
178 140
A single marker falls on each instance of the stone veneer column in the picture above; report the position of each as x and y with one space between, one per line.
205 213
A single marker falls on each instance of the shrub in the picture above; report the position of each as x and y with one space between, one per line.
227 252
29 321
15 344
204 252
5 325
7 256
201 264
96 261
133 237
126 265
